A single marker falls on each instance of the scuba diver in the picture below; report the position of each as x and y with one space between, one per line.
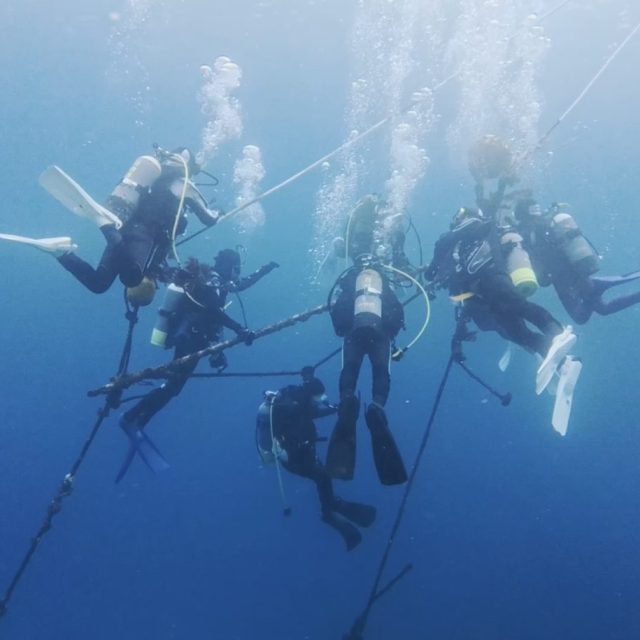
140 222
470 260
560 253
372 223
287 435
368 315
191 318
564 257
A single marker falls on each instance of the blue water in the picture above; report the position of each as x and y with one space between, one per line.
513 531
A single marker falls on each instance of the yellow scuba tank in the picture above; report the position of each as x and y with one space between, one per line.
125 197
172 300
518 264
578 251
143 294
368 298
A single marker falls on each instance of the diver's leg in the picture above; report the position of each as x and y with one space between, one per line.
352 355
157 399
303 462
379 352
341 453
97 280
506 299
511 309
515 330
138 250
575 296
602 284
606 308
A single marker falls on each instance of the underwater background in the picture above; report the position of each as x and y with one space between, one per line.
513 531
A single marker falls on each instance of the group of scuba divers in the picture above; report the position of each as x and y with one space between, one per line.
492 258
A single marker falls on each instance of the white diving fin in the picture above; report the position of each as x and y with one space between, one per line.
569 374
560 347
57 245
70 194
505 360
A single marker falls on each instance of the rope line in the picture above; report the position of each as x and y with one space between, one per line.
121 382
66 487
360 623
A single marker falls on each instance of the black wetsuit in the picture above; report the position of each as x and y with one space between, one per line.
296 432
198 323
140 247
466 260
580 294
366 334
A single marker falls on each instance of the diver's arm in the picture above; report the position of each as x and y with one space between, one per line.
194 201
251 279
444 245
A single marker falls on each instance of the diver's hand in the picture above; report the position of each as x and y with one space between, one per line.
268 268
246 336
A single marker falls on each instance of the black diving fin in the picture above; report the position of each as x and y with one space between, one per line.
364 515
349 533
386 455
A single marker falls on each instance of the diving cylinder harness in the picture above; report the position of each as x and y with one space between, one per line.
124 199
566 235
368 298
518 263
172 300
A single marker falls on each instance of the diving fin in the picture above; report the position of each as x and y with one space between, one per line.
140 443
569 374
341 454
386 455
559 348
70 194
505 360
364 515
349 533
58 245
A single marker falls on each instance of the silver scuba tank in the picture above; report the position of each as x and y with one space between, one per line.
172 299
264 443
141 176
578 251
267 449
368 294
518 264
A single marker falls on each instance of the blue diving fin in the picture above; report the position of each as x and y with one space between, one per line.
140 443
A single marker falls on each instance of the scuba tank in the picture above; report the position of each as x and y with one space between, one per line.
566 235
264 442
143 294
518 264
368 298
124 199
359 237
172 300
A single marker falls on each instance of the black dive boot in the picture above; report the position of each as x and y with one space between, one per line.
386 455
363 515
349 533
341 454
